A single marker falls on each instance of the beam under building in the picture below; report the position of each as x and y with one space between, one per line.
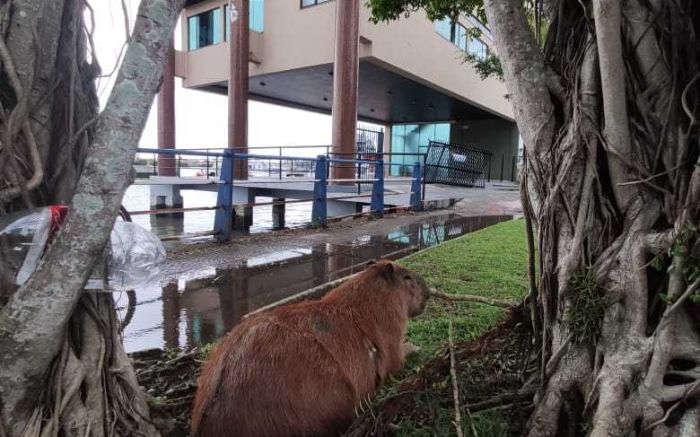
238 42
166 115
345 79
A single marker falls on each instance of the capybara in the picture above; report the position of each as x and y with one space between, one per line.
300 370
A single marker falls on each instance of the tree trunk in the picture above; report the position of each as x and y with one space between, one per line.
609 116
63 370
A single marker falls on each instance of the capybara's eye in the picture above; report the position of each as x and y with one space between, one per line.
408 277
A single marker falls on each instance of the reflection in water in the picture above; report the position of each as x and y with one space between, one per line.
188 313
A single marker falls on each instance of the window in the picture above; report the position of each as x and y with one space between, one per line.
205 29
478 49
256 18
444 28
413 138
459 36
307 3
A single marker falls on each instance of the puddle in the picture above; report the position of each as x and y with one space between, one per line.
186 313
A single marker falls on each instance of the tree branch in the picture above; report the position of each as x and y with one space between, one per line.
608 18
33 321
525 73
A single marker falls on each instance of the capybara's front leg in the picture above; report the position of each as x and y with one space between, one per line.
408 348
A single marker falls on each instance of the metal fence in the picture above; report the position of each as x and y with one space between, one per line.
452 164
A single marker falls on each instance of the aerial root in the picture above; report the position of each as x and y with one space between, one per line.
470 298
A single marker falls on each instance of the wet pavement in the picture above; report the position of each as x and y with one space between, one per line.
196 301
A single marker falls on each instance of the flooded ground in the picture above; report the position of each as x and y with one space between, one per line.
194 309
137 198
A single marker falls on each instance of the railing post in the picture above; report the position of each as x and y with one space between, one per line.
377 205
416 202
319 211
223 220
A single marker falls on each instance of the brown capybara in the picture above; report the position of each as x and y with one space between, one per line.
301 369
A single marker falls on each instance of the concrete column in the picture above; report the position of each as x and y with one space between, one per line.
238 43
345 79
278 212
171 316
164 197
166 115
243 215
387 138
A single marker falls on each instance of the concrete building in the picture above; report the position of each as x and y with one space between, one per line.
412 76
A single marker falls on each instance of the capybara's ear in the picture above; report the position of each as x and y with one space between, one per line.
388 270
371 263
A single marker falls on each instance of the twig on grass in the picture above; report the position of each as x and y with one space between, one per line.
469 298
455 387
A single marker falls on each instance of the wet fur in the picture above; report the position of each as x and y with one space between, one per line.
302 369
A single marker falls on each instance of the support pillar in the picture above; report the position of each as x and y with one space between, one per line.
171 316
238 42
242 215
278 212
166 197
345 79
166 115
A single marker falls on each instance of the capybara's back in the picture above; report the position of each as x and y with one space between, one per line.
300 370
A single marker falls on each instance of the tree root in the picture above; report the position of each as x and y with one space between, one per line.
470 298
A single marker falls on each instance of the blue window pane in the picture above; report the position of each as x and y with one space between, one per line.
257 15
461 37
193 30
216 26
205 29
442 132
478 48
256 18
444 28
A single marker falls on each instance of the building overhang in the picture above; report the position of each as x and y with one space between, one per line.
384 96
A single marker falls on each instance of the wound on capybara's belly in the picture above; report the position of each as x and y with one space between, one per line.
302 369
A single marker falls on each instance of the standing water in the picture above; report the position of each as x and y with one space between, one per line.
190 312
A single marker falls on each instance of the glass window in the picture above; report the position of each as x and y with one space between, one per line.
444 28
256 18
478 48
205 29
413 138
460 37
307 3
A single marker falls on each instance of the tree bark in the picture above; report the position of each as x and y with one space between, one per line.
610 123
34 335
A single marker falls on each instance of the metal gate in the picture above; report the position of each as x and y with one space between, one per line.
452 164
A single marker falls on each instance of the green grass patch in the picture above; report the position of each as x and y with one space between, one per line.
490 262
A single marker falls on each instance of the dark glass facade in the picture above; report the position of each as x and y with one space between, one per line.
413 139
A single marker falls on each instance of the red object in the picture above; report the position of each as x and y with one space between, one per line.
58 217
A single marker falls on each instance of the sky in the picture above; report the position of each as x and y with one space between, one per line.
200 116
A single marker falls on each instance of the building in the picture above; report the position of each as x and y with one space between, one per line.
412 76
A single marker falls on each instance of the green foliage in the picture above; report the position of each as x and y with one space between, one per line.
687 245
390 10
490 66
585 317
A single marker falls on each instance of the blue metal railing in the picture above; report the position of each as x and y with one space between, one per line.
225 212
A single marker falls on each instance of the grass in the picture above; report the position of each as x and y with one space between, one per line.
490 262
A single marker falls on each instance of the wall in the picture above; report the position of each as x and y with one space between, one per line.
296 38
500 137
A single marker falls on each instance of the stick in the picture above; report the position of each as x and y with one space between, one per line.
469 298
453 374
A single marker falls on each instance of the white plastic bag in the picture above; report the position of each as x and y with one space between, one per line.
133 256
